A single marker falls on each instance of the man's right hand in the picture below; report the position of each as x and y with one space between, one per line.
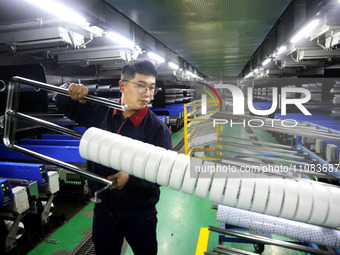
77 92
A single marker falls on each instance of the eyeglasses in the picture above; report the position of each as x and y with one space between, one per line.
142 88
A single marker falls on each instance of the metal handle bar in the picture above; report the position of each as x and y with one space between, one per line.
62 91
11 115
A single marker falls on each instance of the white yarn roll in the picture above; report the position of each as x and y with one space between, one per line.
232 190
275 198
85 140
290 199
178 170
203 183
333 216
217 188
93 145
320 204
189 181
246 193
104 149
142 155
305 202
151 168
165 167
116 152
128 155
261 193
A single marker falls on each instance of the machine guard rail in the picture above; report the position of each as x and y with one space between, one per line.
12 114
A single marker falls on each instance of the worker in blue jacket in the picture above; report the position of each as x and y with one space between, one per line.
127 211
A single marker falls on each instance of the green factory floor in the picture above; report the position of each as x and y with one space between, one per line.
180 219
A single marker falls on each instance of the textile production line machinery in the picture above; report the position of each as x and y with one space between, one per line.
281 205
273 175
309 149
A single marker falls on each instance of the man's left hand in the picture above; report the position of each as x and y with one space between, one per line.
121 179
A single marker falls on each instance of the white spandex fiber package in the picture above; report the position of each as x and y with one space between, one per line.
246 193
104 150
84 142
276 192
128 156
260 195
178 170
142 156
151 168
217 189
333 219
320 204
290 199
305 202
204 180
191 176
116 151
165 167
232 189
279 226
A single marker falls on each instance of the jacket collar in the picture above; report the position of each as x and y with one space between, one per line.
136 118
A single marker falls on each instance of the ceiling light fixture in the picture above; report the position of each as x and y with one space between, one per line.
173 65
189 73
281 50
305 31
119 39
156 57
59 10
266 61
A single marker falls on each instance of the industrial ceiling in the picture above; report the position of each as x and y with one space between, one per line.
214 39
216 36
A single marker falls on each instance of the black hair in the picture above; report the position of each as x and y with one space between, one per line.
144 67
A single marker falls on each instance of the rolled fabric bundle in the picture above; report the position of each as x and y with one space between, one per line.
270 224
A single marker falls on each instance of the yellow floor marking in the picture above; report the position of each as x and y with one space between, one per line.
202 241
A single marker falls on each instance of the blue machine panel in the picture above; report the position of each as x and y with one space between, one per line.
50 142
58 137
6 194
26 171
63 153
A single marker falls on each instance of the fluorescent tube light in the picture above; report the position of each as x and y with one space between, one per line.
121 40
59 10
304 32
266 61
281 49
173 65
156 57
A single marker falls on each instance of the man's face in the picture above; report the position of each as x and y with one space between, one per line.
132 96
